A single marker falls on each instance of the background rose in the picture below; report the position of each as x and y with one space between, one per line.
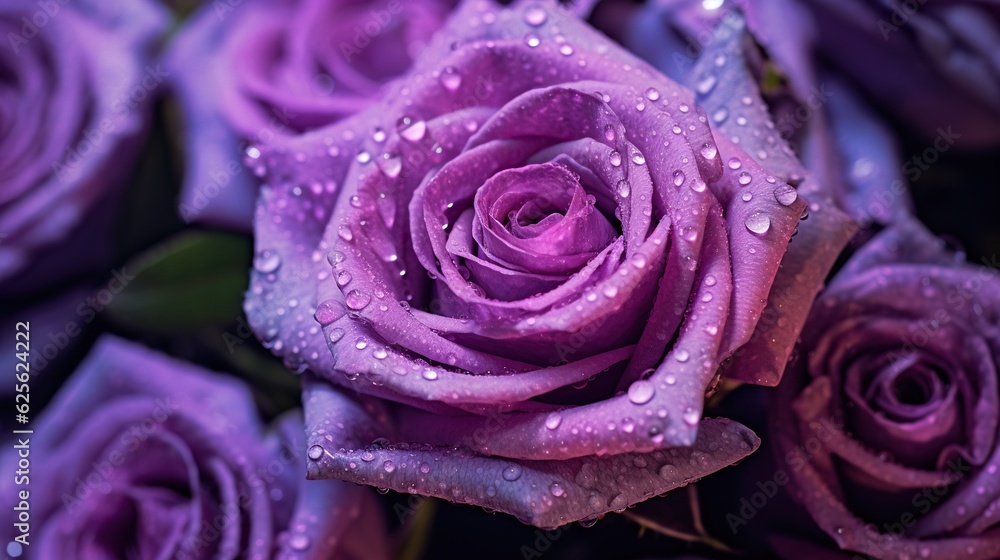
143 456
76 87
843 142
592 253
248 73
897 378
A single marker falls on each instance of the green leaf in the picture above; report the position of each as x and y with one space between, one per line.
191 281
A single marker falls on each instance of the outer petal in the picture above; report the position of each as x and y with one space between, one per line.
542 493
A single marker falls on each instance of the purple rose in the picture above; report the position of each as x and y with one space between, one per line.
77 80
249 73
529 261
888 416
842 142
927 62
142 456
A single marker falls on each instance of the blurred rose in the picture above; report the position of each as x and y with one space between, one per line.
888 417
144 457
537 247
77 81
250 73
928 62
844 144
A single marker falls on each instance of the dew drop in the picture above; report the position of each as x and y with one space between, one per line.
744 178
682 355
691 417
553 420
758 223
430 374
389 466
328 312
698 185
705 85
556 490
358 300
315 452
719 116
410 130
532 40
641 391
535 16
609 133
344 278
678 178
299 542
566 50
747 197
652 94
451 79
610 291
512 473
616 158
624 188
336 334
367 456
709 151
638 159
266 262
734 163
785 195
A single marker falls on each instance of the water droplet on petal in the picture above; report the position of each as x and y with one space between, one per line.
744 178
616 158
785 195
451 79
609 133
388 466
652 94
638 159
734 163
430 374
610 291
709 151
705 85
412 130
532 40
357 300
691 417
266 262
678 178
641 391
512 473
747 197
553 420
624 188
299 542
535 16
681 355
566 50
329 311
758 223
556 490
315 452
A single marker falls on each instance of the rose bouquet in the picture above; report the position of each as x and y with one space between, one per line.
590 279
